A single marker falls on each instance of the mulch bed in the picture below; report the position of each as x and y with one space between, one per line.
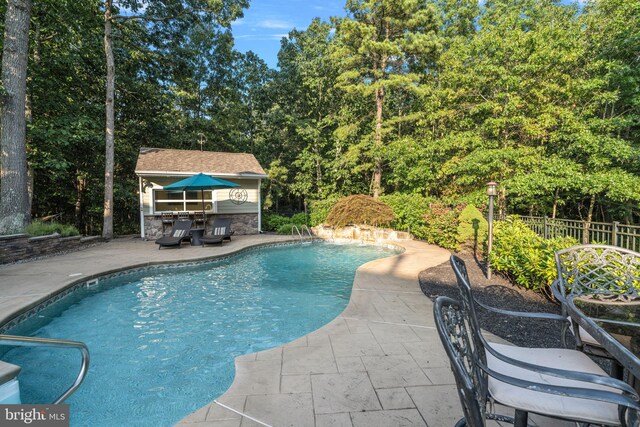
498 292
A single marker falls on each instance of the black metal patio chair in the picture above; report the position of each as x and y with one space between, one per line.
607 273
560 383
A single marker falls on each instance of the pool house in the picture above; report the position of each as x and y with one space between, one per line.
158 167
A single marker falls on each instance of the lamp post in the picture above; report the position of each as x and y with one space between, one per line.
492 191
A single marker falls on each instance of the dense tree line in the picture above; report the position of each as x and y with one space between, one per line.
540 96
426 97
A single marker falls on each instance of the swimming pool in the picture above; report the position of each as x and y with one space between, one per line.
163 342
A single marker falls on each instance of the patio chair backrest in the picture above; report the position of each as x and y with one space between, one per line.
167 217
471 381
608 272
183 215
199 217
468 306
220 226
466 297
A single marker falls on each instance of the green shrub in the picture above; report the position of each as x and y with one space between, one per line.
319 209
360 209
441 225
271 222
38 228
472 228
524 257
299 219
285 229
409 210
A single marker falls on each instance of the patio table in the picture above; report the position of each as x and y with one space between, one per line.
615 325
196 234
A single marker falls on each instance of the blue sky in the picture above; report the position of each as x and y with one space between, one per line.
267 21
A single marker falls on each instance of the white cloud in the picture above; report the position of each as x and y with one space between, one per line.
275 24
261 36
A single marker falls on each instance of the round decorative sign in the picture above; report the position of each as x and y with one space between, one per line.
238 195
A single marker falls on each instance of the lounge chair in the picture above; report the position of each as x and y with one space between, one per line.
220 230
179 232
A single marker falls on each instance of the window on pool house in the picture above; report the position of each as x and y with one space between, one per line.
182 201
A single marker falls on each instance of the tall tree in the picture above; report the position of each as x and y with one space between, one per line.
306 84
15 209
380 41
207 12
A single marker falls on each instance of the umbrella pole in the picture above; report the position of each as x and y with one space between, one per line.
204 215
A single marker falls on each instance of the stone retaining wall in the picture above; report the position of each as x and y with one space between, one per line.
361 233
18 247
241 224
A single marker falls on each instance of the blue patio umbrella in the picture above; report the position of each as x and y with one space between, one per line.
200 182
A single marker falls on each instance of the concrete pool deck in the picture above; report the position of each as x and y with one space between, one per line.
379 363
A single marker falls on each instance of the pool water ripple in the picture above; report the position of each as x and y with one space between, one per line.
163 344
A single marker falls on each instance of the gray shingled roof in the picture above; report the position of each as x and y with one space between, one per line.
154 160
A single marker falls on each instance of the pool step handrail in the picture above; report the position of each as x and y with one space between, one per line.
19 341
308 230
296 230
300 231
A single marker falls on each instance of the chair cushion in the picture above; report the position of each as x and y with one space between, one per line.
544 403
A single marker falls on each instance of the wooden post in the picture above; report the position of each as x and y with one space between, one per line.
614 233
546 228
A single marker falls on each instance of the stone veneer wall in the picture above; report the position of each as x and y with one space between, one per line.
240 223
18 247
361 233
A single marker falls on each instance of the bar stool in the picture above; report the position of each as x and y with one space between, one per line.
167 220
200 219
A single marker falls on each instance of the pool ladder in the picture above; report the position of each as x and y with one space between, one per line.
301 232
46 342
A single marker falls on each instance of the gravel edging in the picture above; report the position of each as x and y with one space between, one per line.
500 293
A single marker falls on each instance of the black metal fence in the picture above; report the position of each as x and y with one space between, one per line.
609 233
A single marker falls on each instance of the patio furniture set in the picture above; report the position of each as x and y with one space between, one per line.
169 217
597 287
181 231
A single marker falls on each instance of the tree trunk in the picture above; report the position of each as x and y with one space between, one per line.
80 187
555 203
587 223
107 227
377 171
316 150
15 210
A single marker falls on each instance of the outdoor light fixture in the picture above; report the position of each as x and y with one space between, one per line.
492 191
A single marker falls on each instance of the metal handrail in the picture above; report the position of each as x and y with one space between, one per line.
297 230
308 230
301 231
47 342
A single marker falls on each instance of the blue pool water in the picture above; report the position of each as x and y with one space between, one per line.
163 342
